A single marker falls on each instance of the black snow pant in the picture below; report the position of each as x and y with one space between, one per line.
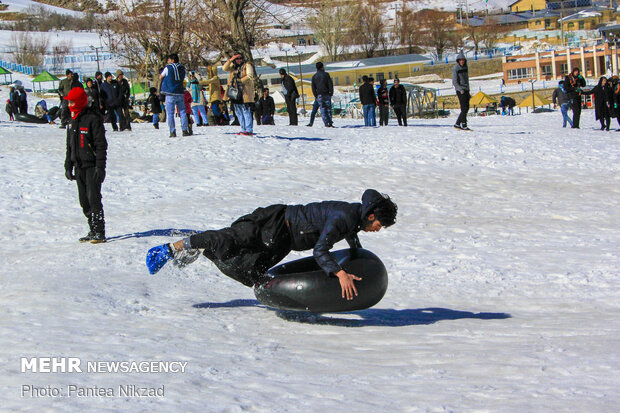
576 105
89 193
116 114
605 122
401 114
65 113
250 246
384 115
291 108
126 115
464 103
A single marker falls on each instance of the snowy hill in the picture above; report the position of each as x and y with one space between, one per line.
504 293
23 6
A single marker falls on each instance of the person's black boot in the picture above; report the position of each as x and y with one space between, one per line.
91 232
173 134
156 125
98 228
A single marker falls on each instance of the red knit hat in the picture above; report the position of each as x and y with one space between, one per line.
79 97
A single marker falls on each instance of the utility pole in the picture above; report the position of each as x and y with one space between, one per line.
562 24
301 80
286 53
533 101
96 49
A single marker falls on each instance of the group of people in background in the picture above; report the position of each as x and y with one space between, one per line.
17 101
606 95
396 97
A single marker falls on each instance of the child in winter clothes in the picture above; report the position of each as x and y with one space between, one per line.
154 105
85 161
9 109
187 100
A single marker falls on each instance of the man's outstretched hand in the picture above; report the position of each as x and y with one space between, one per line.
347 284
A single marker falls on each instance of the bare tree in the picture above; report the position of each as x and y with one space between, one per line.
29 50
438 30
368 27
330 24
145 33
491 32
407 28
474 34
59 51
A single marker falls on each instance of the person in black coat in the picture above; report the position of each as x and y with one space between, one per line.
323 90
603 102
98 82
85 160
125 92
289 89
267 108
573 84
368 99
398 100
113 101
92 91
258 241
383 98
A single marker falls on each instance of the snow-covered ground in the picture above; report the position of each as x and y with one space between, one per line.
504 293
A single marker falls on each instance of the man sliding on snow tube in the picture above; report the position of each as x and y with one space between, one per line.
258 241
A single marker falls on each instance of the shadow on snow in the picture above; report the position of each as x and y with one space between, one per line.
372 317
170 232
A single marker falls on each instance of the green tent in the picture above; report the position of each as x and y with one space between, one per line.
43 77
139 88
6 73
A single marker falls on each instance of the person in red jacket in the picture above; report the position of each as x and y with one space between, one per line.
85 161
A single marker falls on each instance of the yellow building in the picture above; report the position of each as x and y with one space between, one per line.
589 19
528 5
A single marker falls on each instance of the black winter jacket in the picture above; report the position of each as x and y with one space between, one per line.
322 83
125 92
154 103
267 106
86 143
398 95
93 97
320 225
603 100
291 88
383 96
367 94
573 85
112 92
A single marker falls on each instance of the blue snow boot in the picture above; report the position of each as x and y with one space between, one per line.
157 257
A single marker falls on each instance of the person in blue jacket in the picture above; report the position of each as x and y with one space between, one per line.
172 88
258 241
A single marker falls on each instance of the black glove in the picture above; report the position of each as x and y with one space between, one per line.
99 174
69 174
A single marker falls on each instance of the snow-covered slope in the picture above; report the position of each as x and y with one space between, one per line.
504 293
23 6
472 5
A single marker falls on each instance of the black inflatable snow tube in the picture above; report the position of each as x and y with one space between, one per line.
54 112
302 285
28 118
